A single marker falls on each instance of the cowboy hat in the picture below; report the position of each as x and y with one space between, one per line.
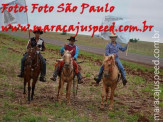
72 39
113 35
38 31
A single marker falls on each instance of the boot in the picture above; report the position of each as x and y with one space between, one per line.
21 75
124 82
98 79
54 78
42 78
80 80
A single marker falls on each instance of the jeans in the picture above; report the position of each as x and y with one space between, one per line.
120 67
43 72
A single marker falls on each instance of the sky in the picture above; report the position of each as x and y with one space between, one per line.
136 11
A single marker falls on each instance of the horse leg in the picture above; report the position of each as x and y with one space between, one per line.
112 98
69 92
107 93
59 87
29 90
25 82
103 95
33 88
61 91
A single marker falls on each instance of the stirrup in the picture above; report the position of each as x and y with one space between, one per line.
53 78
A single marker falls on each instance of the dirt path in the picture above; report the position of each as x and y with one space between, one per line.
137 58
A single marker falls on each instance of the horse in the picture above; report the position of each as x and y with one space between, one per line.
67 75
110 80
32 70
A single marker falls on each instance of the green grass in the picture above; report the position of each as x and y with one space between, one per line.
123 116
137 80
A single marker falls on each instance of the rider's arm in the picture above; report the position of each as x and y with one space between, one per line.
43 47
122 48
62 50
76 53
107 50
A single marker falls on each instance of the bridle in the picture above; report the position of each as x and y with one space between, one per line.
109 70
68 66
32 59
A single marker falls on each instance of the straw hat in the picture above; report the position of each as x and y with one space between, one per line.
113 35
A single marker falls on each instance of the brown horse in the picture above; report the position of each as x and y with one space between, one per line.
67 75
110 80
32 70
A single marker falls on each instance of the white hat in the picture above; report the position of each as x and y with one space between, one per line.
113 35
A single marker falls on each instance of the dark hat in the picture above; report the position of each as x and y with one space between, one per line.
38 31
72 39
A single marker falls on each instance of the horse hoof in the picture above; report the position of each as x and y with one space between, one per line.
110 108
102 107
105 103
69 104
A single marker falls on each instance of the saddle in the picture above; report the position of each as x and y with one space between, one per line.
59 60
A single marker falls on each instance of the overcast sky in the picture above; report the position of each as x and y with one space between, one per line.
135 10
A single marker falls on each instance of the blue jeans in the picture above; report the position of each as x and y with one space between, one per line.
120 67
43 72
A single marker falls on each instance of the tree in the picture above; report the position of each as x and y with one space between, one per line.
64 33
134 40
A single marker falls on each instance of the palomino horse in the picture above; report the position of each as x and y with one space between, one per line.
31 71
67 75
110 79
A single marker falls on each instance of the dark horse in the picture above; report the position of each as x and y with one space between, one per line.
32 70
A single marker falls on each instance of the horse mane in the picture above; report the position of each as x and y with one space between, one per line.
108 58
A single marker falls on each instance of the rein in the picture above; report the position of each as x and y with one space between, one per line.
36 64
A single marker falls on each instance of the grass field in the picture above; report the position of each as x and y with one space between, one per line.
132 103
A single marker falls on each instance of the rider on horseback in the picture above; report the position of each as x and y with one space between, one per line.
75 51
112 48
33 42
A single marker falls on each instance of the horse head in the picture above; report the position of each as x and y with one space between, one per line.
32 54
67 58
108 64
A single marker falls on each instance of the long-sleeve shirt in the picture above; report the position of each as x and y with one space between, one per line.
111 49
70 47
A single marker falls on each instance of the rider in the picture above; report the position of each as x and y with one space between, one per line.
112 48
71 46
33 42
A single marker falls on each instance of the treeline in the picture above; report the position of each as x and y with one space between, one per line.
134 40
